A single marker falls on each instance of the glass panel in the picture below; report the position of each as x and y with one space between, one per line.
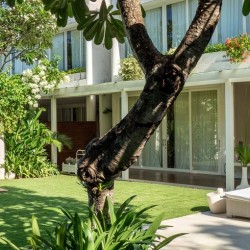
231 22
58 50
204 130
181 132
176 26
152 153
75 50
192 7
248 23
153 23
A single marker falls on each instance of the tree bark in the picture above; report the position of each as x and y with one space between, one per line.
165 76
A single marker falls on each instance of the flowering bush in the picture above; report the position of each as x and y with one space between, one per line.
45 77
238 48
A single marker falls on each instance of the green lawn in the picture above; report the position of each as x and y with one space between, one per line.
42 197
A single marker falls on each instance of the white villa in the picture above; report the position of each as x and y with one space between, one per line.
209 118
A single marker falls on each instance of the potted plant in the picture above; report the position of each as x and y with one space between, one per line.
243 153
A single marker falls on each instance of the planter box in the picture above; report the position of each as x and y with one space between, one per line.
69 168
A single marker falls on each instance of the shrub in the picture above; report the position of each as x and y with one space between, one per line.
215 48
75 70
125 229
130 69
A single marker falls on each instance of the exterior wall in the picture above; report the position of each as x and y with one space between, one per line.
81 134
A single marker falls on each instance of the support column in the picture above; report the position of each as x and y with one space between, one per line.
115 59
89 63
53 127
229 121
91 108
124 111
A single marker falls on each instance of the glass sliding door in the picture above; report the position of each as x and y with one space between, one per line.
192 132
204 130
152 152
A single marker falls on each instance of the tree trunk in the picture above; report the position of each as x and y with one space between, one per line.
165 76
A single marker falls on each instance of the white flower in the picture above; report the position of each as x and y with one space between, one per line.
35 91
36 78
42 67
35 105
24 79
37 96
27 72
43 83
42 73
66 79
33 85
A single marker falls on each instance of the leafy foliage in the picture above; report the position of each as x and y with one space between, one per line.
124 230
26 155
75 70
26 30
130 69
215 48
237 48
13 101
99 25
246 7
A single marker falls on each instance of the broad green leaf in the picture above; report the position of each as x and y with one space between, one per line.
246 7
35 227
124 205
111 211
167 241
155 225
103 11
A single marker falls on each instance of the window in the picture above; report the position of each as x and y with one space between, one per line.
231 22
70 48
176 23
153 23
71 114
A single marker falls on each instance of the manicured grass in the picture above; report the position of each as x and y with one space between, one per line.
42 197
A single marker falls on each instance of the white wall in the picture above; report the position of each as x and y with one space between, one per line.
101 59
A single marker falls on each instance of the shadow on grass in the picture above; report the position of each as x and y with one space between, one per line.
18 206
200 209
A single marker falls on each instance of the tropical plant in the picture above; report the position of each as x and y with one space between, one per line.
243 153
130 69
238 48
26 153
125 229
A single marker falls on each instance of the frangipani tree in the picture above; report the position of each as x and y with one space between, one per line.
26 31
